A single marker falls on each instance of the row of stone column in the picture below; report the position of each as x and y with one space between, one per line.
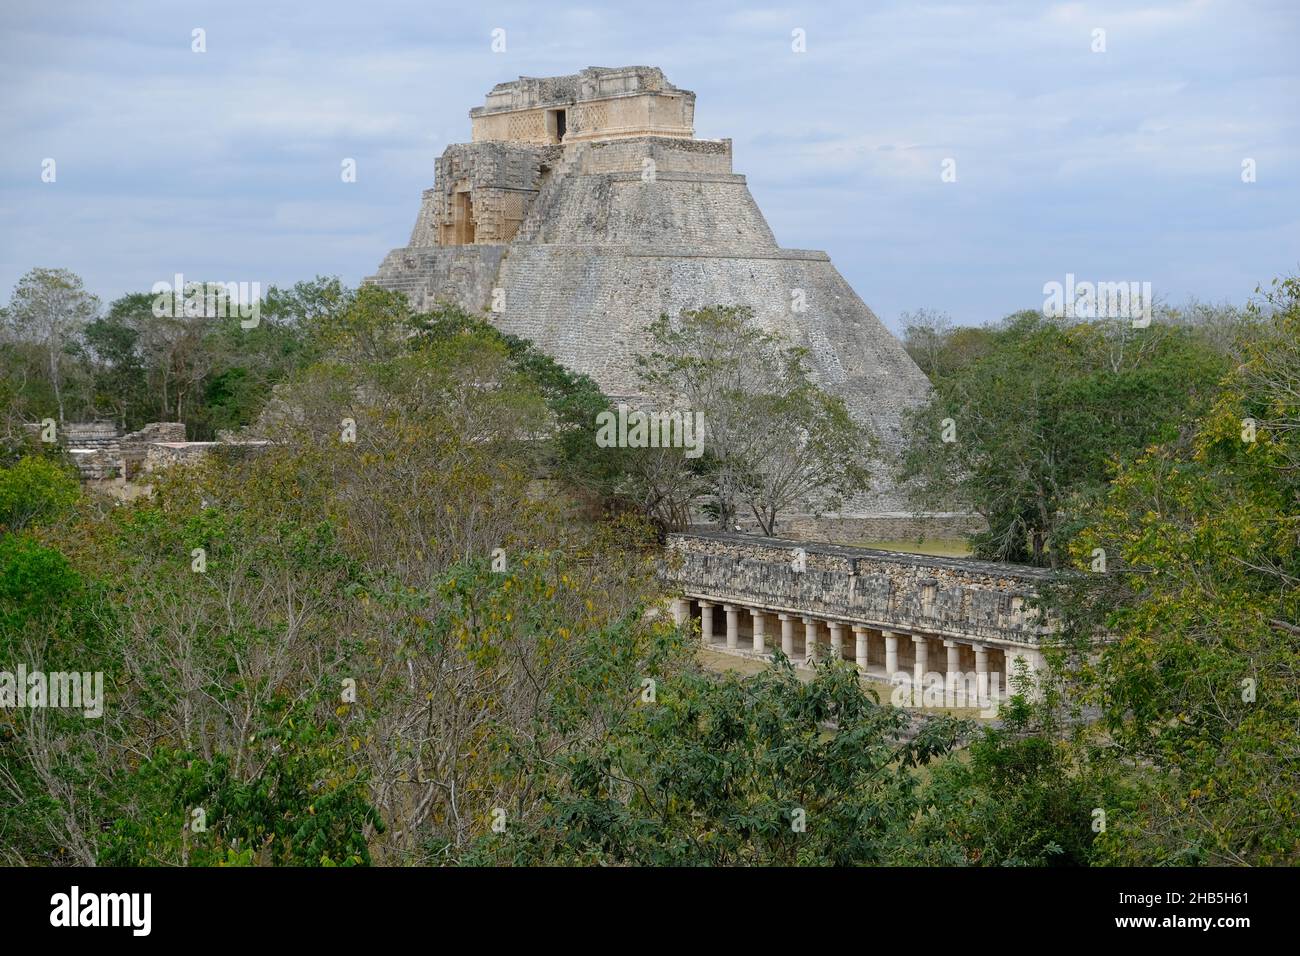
921 642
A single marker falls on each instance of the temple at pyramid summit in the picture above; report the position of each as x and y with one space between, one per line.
584 208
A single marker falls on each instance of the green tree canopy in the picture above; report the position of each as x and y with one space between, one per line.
765 770
773 438
1198 689
1033 426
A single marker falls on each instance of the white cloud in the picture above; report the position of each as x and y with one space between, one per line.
228 161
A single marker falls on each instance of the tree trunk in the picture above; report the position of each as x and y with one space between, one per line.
54 381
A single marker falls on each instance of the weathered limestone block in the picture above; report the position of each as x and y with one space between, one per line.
461 275
156 431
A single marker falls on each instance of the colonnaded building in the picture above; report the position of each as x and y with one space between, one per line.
584 208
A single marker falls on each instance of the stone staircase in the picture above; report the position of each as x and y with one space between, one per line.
530 230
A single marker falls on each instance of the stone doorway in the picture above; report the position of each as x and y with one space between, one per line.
557 122
463 220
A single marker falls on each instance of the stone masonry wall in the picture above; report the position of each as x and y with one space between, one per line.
669 155
699 210
87 434
589 306
156 431
99 451
946 597
463 275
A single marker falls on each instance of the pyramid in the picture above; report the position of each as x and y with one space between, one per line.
584 208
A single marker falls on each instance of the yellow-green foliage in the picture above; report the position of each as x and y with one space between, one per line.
1199 691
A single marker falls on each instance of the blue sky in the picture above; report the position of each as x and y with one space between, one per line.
1116 165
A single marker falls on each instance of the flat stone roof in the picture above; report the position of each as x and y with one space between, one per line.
976 565
593 83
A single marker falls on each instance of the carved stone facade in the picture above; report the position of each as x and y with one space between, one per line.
958 598
598 103
902 618
482 193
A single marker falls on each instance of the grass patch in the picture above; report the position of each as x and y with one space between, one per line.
935 547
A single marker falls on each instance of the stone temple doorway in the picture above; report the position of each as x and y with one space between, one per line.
557 122
463 219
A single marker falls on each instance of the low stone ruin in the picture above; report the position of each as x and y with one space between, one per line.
100 450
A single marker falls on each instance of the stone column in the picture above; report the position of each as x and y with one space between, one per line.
787 635
837 639
733 625
809 639
706 623
891 653
922 658
1008 667
759 646
860 647
1031 658
681 611
951 675
981 672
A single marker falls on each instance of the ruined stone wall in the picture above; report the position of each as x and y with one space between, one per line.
96 464
156 431
165 454
159 455
99 451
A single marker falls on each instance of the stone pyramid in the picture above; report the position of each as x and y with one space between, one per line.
584 208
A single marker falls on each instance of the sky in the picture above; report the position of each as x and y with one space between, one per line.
1116 155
